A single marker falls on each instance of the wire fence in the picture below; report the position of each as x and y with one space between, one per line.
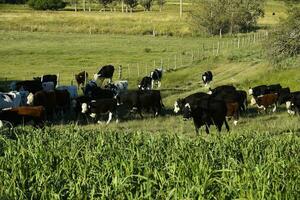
173 62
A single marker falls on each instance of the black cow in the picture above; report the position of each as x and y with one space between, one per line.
156 76
191 99
283 95
242 99
49 78
32 86
94 92
258 90
106 71
101 106
207 77
222 88
272 89
77 102
142 100
207 112
146 83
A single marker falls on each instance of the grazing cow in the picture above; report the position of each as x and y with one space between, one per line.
283 95
76 104
10 100
142 100
48 86
242 99
222 88
106 71
22 115
28 85
101 106
146 83
191 99
42 98
258 90
49 78
263 102
293 103
151 100
63 101
207 112
117 87
71 89
156 77
207 77
81 78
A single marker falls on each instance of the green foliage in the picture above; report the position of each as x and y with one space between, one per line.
46 4
73 163
146 4
223 16
105 2
284 42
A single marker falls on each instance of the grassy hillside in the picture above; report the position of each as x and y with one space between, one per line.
167 22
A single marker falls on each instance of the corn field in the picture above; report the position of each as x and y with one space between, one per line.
77 163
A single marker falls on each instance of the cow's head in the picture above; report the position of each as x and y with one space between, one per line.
30 99
289 107
84 108
187 111
209 91
178 105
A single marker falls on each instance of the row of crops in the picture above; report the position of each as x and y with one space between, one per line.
76 163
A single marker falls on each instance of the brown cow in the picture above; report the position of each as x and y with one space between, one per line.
265 101
233 111
81 78
21 115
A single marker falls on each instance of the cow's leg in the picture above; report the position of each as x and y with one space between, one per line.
158 84
226 125
139 110
117 116
207 128
275 107
152 84
236 117
110 114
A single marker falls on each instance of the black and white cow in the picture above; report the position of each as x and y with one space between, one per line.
191 99
222 89
207 112
101 106
283 95
156 76
106 71
293 103
264 89
93 91
146 83
117 87
10 100
207 77
31 86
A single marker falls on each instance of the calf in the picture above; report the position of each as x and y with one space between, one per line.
207 77
22 115
76 104
263 102
81 78
106 71
207 112
156 77
191 99
146 83
101 106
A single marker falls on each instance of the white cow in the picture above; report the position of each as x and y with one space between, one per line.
10 100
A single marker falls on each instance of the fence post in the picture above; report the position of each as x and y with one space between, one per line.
254 38
58 77
72 78
138 69
90 31
128 71
175 61
218 48
238 43
161 62
146 68
213 49
120 72
85 78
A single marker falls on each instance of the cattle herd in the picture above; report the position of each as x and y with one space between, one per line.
42 100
